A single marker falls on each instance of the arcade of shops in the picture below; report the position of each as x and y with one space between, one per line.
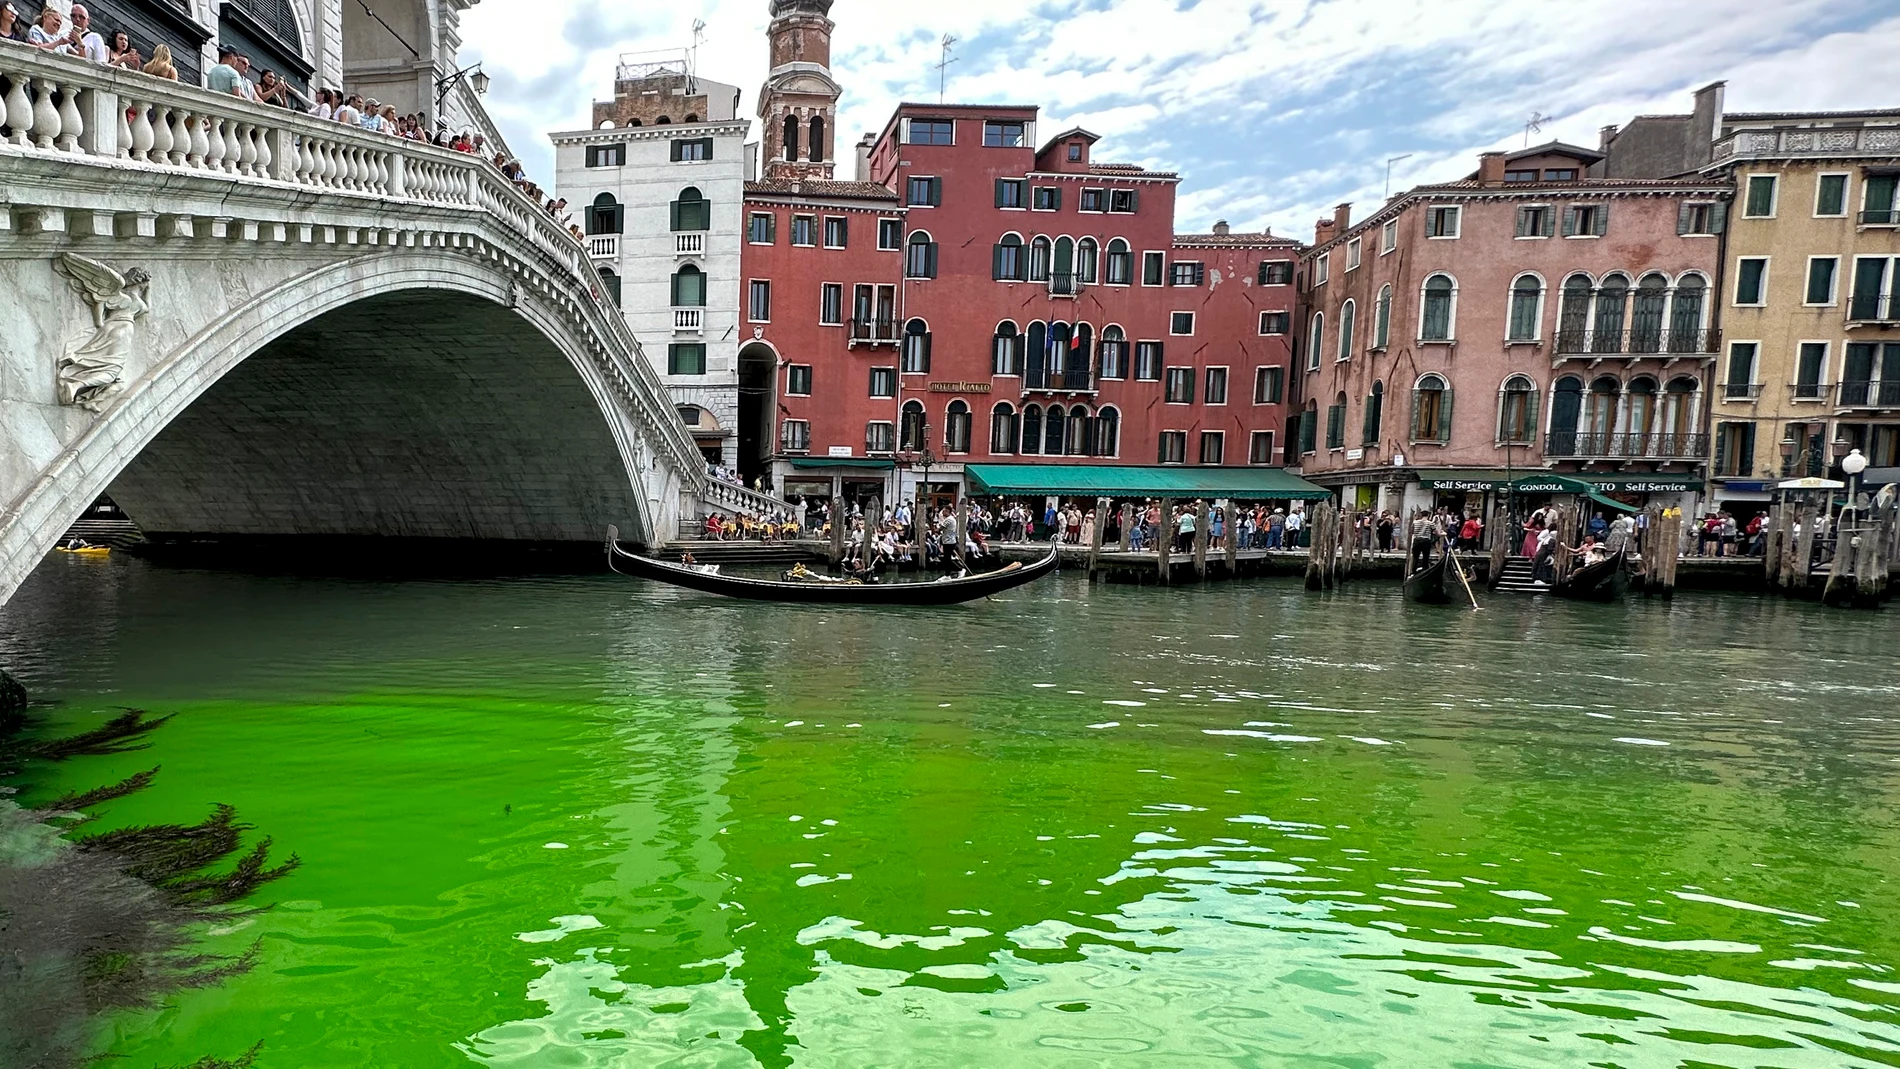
1475 491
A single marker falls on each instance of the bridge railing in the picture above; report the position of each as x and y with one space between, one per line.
735 498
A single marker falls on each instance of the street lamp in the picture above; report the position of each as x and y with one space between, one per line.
1853 464
475 76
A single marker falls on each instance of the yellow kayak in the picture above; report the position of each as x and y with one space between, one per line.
89 551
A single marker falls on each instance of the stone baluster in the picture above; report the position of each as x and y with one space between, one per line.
45 114
70 125
183 143
303 167
123 114
257 151
19 111
327 164
207 142
161 123
379 172
398 174
234 160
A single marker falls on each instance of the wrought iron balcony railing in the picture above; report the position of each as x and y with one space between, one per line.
1873 308
1880 217
1071 380
873 331
1656 445
1064 284
1867 394
1638 341
1740 391
1808 391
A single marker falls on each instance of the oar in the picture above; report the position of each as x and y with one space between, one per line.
1461 576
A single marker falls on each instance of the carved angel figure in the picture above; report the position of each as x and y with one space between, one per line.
93 370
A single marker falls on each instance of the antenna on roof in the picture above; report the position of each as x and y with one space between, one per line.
943 66
1388 173
692 56
1535 125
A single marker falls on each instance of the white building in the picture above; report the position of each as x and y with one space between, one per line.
658 184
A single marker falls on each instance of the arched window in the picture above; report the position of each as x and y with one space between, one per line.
920 256
1054 422
1431 410
690 117
1437 322
1108 433
1006 351
1036 355
1527 308
689 287
1114 353
1600 415
1039 260
1309 427
1062 273
1120 268
1003 429
1517 410
916 347
1566 409
1685 315
632 123
1679 414
1369 432
1032 430
956 425
817 139
791 137
662 121
1382 320
1573 319
1646 314
1078 435
1639 417
1085 254
911 427
1315 343
692 211
1059 335
1006 259
1336 422
1080 361
610 285
1612 302
1348 312
604 215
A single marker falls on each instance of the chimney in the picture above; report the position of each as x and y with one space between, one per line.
864 157
1705 127
1323 231
1606 137
1342 218
1490 168
1220 228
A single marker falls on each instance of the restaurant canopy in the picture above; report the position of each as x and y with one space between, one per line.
1103 480
1563 484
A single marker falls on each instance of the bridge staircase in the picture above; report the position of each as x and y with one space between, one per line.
780 554
1516 578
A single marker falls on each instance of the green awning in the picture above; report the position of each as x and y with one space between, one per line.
1564 484
1103 480
811 463
1455 479
1644 484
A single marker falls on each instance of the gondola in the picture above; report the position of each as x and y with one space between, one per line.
941 592
1434 584
1606 580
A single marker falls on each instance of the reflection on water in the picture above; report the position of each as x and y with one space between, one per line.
595 822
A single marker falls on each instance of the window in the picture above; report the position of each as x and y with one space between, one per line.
920 257
1388 236
1106 441
1114 349
1701 218
1877 200
883 382
1122 201
1085 255
1336 423
1004 428
1216 392
1382 319
1009 192
1274 322
1431 410
692 150
1187 273
1181 324
689 287
1173 448
912 426
759 301
1120 268
1809 368
837 231
1751 280
1093 200
1047 199
1314 341
1761 197
1352 254
1821 272
1527 308
1348 313
1740 382
1007 263
1560 174
1536 221
916 348
890 234
1213 446
1734 449
931 132
1322 268
1180 388
1260 448
1442 221
692 211
610 284
607 155
1039 260
1308 427
1586 220
1830 195
791 137
879 436
604 215
817 153
1440 297
1268 385
760 228
1032 430
1006 350
1517 410
686 358
956 427
1276 272
804 230
1521 176
1147 361
831 305
794 436
1002 134
1876 289
798 380
1370 427
1075 151
924 192
1151 269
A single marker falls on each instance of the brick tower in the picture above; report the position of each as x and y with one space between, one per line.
798 106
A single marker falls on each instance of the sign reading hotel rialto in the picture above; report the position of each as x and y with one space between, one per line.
959 387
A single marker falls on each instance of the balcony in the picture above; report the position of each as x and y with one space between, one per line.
1043 380
1880 217
1065 284
688 320
1740 391
1809 391
1626 446
1873 308
873 332
603 246
1867 394
1638 342
689 244
1786 141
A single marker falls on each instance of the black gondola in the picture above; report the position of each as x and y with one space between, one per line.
1606 580
1433 584
941 592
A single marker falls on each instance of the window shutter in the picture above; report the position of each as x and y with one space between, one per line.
1718 217
1444 415
996 262
1523 221
1550 221
999 191
1682 219
1530 414
1134 200
678 151
1747 450
676 290
1263 272
1056 193
1200 274
1570 222
936 192
674 214
926 347
1721 448
1603 219
844 231
930 260
1418 400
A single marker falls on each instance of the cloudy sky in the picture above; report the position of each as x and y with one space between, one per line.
1272 110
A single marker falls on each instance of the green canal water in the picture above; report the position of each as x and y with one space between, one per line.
595 822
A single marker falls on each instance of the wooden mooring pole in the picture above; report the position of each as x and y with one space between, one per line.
1097 529
1164 538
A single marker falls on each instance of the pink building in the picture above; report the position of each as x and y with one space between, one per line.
1527 318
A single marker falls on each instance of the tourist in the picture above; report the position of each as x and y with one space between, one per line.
160 65
349 113
1725 533
323 109
1755 535
1543 557
1216 528
1087 532
1184 531
1533 534
1471 534
223 77
83 41
1387 523
45 34
122 54
1620 533
1295 523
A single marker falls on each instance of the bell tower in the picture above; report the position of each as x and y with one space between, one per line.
798 105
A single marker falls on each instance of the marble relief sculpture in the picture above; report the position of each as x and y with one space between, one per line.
93 370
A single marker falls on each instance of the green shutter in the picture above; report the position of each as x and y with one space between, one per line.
1718 217
1530 414
1418 398
1550 221
1603 219
926 366
1570 222
1056 192
844 231
1444 415
999 191
1721 450
673 215
1746 452
996 262
936 192
1682 218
